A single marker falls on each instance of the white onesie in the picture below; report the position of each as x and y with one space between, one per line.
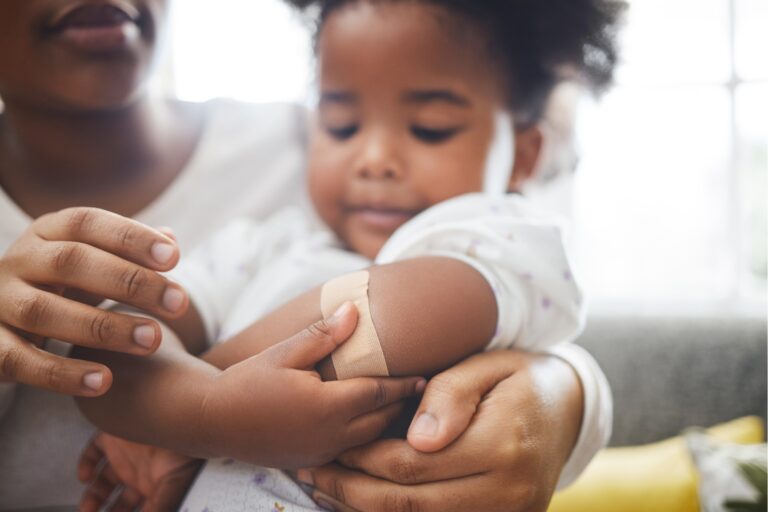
251 268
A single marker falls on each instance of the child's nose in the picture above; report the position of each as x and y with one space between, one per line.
379 161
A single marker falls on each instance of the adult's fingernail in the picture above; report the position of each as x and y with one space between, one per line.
93 380
162 252
144 335
173 299
343 310
425 426
305 476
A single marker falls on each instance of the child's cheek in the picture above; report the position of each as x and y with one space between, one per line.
326 193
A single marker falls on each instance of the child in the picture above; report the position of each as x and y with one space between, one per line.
421 103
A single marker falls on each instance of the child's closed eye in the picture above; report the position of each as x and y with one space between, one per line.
342 132
435 135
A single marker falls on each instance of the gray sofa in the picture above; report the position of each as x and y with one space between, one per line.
670 373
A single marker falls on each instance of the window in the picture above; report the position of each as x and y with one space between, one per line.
670 196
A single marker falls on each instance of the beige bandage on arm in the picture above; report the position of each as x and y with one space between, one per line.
361 355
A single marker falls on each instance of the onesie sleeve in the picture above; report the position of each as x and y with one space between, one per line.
517 249
217 271
597 418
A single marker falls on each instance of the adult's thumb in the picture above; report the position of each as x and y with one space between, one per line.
307 348
451 400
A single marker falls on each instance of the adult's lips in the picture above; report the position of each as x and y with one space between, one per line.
96 26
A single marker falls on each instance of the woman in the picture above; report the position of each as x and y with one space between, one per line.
80 129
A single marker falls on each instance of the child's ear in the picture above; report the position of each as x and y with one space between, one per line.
528 142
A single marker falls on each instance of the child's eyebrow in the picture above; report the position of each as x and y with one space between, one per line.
430 95
338 97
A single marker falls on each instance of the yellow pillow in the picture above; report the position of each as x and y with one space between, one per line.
658 477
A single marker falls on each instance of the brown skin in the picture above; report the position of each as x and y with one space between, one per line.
506 429
240 412
397 293
79 130
383 165
406 119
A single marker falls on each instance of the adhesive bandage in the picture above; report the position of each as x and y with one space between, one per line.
361 355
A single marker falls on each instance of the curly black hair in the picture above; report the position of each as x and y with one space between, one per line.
538 43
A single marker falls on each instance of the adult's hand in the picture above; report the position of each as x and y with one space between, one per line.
125 476
274 410
494 431
89 253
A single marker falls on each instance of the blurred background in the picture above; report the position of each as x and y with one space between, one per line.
664 177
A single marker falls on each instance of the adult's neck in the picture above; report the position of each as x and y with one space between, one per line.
57 147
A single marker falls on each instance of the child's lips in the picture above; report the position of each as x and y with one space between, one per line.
381 219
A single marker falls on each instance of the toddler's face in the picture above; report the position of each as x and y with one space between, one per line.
405 121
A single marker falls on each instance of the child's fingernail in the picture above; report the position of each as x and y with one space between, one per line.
343 310
93 380
162 252
144 335
305 476
173 299
421 386
424 426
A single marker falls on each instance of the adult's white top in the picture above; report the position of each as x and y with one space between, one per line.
249 161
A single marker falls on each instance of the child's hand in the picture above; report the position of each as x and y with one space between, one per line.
274 410
152 478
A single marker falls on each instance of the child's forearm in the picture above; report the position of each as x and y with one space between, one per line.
154 399
429 313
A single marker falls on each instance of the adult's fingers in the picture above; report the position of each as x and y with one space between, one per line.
24 363
127 501
362 395
397 461
170 492
328 503
305 349
90 458
451 399
53 316
100 273
110 232
363 492
100 490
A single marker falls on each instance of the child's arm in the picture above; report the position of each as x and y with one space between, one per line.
428 312
258 411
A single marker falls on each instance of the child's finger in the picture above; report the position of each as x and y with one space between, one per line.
366 394
368 427
307 348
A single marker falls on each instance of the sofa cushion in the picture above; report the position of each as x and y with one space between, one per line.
669 373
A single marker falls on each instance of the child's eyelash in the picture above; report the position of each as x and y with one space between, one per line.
342 132
434 136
